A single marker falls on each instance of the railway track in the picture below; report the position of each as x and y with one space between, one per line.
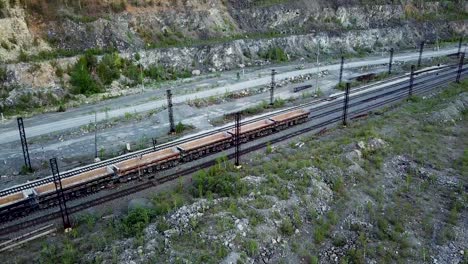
35 234
382 98
421 77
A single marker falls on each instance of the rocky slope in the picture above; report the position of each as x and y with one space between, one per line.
210 35
42 25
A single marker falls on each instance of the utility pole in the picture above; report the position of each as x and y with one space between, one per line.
142 79
60 195
421 49
345 105
318 70
96 158
170 111
341 69
238 141
24 144
154 144
272 87
391 62
410 92
460 43
460 67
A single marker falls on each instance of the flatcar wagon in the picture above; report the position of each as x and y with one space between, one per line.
288 119
200 147
12 198
75 186
254 130
155 161
21 203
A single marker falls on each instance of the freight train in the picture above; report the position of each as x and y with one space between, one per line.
22 203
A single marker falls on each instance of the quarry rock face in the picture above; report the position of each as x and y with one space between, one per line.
208 36
193 22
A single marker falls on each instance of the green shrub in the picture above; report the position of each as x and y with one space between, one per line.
274 54
26 170
156 72
180 128
133 72
119 6
167 201
286 227
217 180
159 73
109 68
61 108
136 221
5 45
252 247
70 254
59 72
3 74
81 78
23 56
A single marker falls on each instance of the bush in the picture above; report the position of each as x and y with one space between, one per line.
61 108
3 74
156 73
133 72
180 128
23 56
286 227
167 201
59 72
274 54
109 68
216 180
119 6
81 78
252 248
136 221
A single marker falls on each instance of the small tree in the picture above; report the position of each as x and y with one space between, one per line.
81 78
179 128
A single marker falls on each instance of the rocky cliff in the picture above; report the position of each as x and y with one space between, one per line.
205 35
34 25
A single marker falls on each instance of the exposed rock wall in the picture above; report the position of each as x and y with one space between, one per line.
336 27
246 51
15 35
168 23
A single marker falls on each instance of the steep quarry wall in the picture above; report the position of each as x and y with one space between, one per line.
42 25
204 35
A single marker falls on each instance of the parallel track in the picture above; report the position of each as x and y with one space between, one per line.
443 71
419 88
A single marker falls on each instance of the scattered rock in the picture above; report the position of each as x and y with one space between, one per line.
452 113
354 156
375 144
355 169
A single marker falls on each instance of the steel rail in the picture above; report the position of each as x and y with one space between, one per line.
151 183
73 172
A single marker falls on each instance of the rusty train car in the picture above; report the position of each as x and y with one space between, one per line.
22 203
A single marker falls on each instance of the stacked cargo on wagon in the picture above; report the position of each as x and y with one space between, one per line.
288 119
150 162
253 130
203 146
17 204
8 204
86 182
